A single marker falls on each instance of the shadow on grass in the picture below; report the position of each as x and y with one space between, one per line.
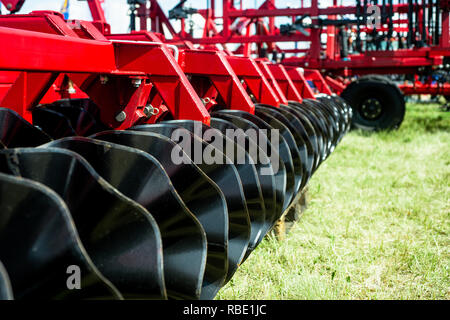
416 120
366 133
434 124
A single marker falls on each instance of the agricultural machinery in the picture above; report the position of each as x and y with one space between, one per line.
151 165
354 45
114 168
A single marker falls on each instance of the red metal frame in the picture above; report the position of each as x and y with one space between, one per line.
127 72
117 75
13 5
223 83
214 65
257 84
124 73
285 82
300 82
238 23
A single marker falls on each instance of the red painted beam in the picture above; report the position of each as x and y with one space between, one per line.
335 85
214 65
338 10
316 77
263 65
244 39
285 82
419 88
300 82
36 51
248 70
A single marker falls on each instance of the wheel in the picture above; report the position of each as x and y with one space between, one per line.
378 104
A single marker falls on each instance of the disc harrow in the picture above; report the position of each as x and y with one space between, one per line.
150 204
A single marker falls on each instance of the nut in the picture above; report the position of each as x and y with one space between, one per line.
121 116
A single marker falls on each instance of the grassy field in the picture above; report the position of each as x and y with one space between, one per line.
377 225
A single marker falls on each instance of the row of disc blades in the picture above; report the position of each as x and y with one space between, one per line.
135 224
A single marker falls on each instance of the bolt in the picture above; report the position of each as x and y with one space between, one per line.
103 79
121 116
150 111
71 90
9 6
136 82
147 110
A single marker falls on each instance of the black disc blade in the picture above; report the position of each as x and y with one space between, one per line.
38 242
307 108
302 137
139 176
17 132
200 194
263 168
246 169
5 284
273 202
332 115
53 123
253 186
82 114
299 167
121 237
281 150
224 173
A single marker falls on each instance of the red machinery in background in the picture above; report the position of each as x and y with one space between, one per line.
113 163
386 37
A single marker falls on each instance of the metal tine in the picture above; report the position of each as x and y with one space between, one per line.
283 152
17 132
300 170
38 242
266 182
5 284
309 154
200 194
118 233
279 177
245 167
226 176
139 176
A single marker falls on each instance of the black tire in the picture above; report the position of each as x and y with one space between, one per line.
378 104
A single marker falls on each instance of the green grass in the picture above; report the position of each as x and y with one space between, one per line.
377 225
